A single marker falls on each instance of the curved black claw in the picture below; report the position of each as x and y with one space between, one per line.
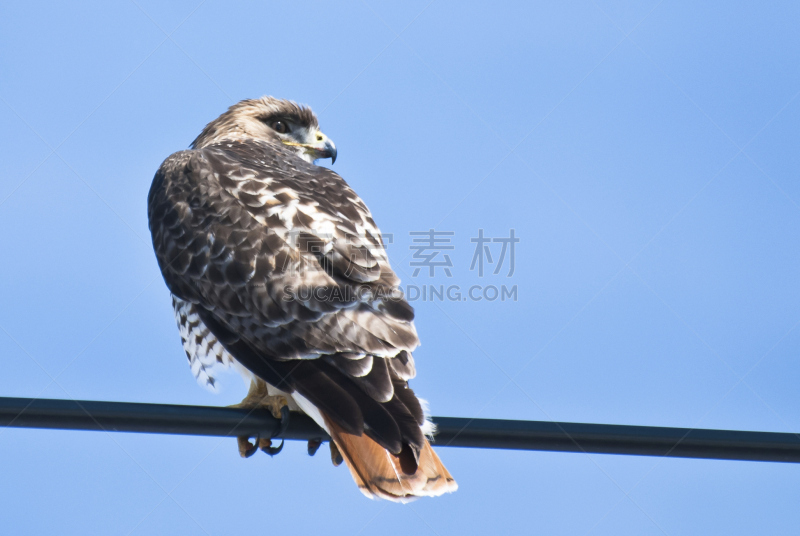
251 450
313 446
269 449
284 422
272 451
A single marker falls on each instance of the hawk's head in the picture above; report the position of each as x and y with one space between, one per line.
274 120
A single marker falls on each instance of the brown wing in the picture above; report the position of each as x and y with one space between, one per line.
288 257
284 264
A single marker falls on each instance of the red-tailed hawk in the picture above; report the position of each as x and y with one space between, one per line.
277 269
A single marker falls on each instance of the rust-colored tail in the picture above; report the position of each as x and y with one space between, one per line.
379 473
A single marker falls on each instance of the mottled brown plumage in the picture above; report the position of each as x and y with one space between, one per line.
277 267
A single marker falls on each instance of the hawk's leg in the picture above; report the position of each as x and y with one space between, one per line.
258 397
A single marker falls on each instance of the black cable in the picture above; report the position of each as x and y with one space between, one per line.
452 431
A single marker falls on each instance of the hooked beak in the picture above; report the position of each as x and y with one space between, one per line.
328 150
321 147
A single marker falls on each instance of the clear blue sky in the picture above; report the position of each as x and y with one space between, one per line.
645 154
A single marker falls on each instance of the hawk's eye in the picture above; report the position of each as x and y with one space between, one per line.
280 127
